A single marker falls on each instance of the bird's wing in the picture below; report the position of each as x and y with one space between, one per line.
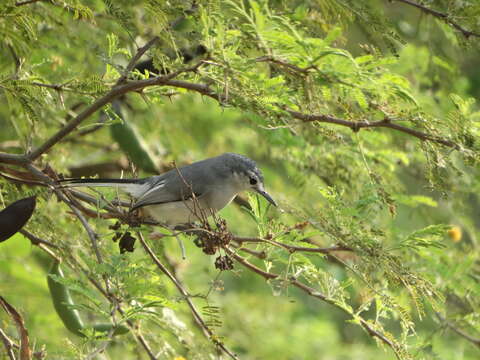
171 186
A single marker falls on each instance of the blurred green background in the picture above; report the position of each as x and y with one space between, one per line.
369 190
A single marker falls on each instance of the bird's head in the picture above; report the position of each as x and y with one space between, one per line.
248 176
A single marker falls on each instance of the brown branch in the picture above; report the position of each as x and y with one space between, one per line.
199 88
355 126
40 243
13 159
91 234
442 16
181 289
475 341
285 64
258 254
35 240
9 345
385 123
204 90
27 2
25 352
291 248
114 93
135 59
316 294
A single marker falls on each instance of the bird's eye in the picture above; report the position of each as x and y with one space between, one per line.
253 181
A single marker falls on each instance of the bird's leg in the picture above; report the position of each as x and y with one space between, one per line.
182 247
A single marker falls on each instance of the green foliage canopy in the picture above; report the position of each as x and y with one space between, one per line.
364 122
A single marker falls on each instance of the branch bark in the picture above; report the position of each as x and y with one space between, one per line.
25 352
385 123
291 248
27 2
442 16
114 93
9 345
135 59
354 125
475 341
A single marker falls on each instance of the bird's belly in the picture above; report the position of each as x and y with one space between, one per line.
184 212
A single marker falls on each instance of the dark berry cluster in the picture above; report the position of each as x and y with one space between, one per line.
223 262
212 240
127 241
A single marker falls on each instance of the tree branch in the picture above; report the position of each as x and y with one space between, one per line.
135 59
355 126
316 294
385 123
442 16
185 294
8 345
291 248
114 93
13 159
203 89
475 341
25 352
27 2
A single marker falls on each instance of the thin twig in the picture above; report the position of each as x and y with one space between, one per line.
475 341
27 2
299 70
442 16
357 125
135 58
13 159
35 240
25 352
185 294
139 337
8 345
291 248
258 254
58 87
285 64
114 93
18 61
386 123
40 243
314 293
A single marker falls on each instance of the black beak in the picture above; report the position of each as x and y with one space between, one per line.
266 196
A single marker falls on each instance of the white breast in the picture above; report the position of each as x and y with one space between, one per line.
189 211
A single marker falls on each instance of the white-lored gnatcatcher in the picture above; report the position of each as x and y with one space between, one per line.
168 199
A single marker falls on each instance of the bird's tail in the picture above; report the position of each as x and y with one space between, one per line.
134 187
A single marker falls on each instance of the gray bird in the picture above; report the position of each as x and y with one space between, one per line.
167 198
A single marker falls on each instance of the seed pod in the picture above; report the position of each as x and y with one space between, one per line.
14 216
62 301
131 142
